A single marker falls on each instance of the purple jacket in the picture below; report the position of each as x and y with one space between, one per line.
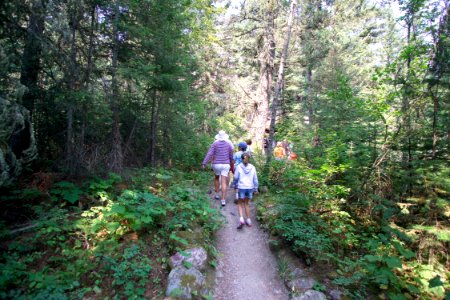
221 152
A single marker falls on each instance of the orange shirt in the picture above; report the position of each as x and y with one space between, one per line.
279 152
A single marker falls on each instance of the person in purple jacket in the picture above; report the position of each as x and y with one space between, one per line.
221 154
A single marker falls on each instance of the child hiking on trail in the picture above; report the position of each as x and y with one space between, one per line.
237 158
221 154
246 180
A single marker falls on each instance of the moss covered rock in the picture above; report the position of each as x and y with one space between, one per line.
197 257
17 142
185 283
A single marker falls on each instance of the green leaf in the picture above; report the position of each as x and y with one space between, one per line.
68 191
436 281
178 239
71 197
146 219
163 176
213 263
185 254
372 258
97 290
112 227
393 262
119 209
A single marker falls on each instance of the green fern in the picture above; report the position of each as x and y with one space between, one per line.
68 191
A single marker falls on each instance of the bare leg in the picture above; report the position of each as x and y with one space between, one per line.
241 213
224 186
247 208
247 213
241 209
216 183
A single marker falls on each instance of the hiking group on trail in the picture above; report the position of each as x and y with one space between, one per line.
245 179
283 150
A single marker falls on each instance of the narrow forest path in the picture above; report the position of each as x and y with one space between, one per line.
247 269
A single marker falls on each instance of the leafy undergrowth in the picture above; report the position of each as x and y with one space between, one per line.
389 248
106 238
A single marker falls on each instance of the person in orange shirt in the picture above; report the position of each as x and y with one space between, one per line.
279 151
293 156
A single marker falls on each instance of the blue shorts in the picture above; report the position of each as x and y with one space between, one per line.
245 193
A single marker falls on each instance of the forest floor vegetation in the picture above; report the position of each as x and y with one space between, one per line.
105 238
112 237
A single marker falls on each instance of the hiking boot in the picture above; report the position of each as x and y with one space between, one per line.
248 222
223 202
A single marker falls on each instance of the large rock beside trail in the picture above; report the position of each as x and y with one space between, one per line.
301 284
185 283
195 256
335 295
311 295
17 142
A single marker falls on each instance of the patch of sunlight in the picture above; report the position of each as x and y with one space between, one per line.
416 200
442 234
444 205
404 207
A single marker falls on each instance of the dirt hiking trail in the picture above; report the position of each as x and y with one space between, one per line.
247 269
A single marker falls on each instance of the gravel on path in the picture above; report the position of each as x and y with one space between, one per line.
247 269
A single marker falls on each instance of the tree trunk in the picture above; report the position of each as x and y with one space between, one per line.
69 140
405 109
87 75
438 66
89 64
308 96
72 84
153 127
31 55
116 161
280 80
435 114
266 58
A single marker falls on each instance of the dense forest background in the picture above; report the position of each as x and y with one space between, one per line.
107 107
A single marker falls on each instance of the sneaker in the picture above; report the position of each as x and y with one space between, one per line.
248 222
241 224
216 196
223 202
